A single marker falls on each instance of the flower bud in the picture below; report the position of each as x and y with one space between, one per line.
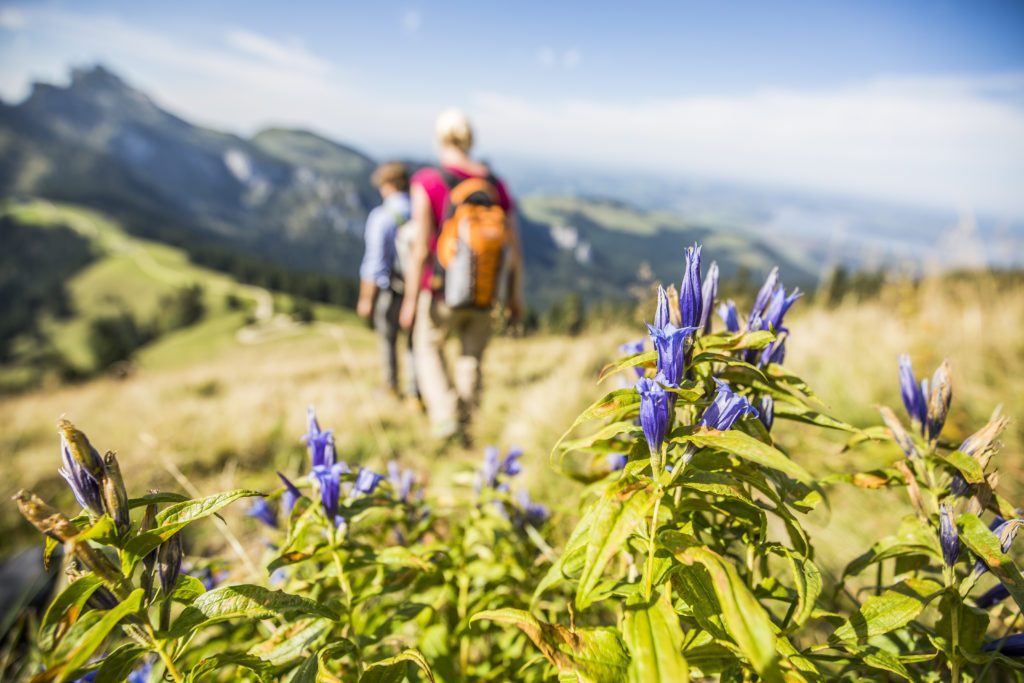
938 402
115 498
899 434
82 468
949 538
168 562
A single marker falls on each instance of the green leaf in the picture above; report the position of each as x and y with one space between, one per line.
308 671
886 661
570 562
806 581
801 413
191 510
244 601
83 650
607 432
913 538
158 498
175 518
737 340
393 669
969 467
119 663
748 448
976 535
893 609
619 512
655 640
64 610
742 615
201 671
291 641
642 359
592 655
187 589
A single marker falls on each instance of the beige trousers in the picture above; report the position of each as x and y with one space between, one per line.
449 404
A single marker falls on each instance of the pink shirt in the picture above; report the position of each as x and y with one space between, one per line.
432 182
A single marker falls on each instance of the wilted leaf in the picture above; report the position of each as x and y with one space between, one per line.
594 655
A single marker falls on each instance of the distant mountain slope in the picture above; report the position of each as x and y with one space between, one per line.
300 200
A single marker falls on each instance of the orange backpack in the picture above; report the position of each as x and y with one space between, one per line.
472 241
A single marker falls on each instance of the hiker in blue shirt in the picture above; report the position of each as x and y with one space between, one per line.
381 276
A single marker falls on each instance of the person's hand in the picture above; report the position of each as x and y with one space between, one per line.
364 308
407 314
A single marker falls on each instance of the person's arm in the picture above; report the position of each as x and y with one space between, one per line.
422 219
374 266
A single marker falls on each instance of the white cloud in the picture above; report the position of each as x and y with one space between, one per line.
288 56
952 142
11 18
412 20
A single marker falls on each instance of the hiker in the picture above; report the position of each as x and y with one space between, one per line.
381 276
465 255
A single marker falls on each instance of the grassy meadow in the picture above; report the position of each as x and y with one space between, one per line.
222 403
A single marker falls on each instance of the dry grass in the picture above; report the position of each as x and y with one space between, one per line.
234 416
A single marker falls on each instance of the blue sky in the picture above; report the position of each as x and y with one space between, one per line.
913 101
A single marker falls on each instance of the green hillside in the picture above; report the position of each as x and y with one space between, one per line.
127 274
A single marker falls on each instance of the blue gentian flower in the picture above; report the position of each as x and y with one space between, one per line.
764 296
671 344
662 315
141 674
616 461
487 477
766 411
87 678
768 313
949 539
708 293
726 408
366 481
290 496
913 393
83 468
328 482
510 465
319 442
261 510
1012 646
727 312
530 512
655 410
401 480
690 299
992 597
